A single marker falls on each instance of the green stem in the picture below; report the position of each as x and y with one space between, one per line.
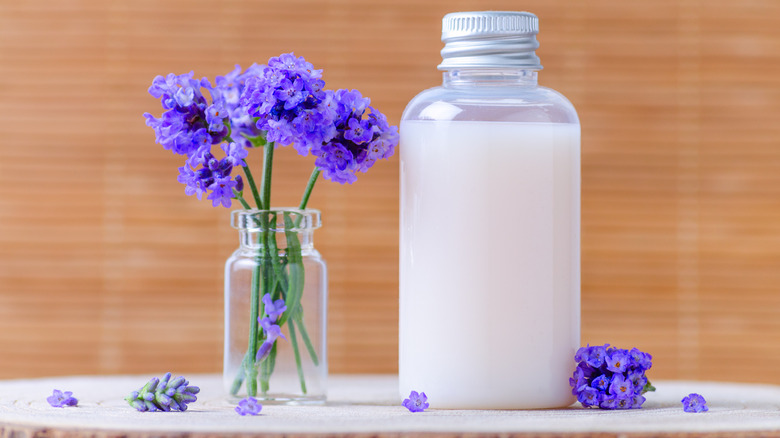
254 309
294 341
241 199
267 368
268 164
267 288
239 380
305 336
296 278
296 274
278 279
251 182
309 187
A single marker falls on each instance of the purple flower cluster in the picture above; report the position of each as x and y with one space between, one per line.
283 102
184 127
287 98
611 378
191 125
164 394
213 176
339 128
226 95
60 399
274 309
249 406
694 403
362 136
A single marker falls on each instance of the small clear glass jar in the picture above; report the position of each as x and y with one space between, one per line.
489 225
276 257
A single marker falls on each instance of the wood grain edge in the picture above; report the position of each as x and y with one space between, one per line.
28 431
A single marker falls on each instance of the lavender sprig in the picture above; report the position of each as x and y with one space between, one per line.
163 395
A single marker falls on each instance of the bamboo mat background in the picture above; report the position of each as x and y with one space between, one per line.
107 267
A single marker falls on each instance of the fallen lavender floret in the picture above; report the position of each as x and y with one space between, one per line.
163 395
60 399
249 406
417 402
694 403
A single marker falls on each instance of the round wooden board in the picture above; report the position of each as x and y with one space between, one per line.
368 405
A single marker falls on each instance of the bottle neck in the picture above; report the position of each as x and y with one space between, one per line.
254 241
492 77
274 230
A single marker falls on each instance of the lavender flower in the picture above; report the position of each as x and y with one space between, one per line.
601 383
339 128
416 402
226 95
287 98
579 381
284 102
593 356
358 142
60 399
163 395
589 397
621 387
610 378
694 403
191 125
272 332
184 127
642 360
235 154
617 361
249 406
212 176
274 309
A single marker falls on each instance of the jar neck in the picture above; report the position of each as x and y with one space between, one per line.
272 230
276 241
489 77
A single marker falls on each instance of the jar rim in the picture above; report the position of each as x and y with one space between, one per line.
275 219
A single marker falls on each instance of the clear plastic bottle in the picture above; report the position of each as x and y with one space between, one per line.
490 225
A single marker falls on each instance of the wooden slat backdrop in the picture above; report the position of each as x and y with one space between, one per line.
107 267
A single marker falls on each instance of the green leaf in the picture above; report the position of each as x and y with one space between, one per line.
296 352
296 274
305 336
258 141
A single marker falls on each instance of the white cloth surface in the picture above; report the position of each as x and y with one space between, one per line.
370 404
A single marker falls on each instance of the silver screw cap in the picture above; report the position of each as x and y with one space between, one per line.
490 39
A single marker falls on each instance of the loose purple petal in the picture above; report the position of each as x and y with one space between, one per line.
694 403
61 399
249 406
417 402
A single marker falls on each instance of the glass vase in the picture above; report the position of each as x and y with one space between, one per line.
275 309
